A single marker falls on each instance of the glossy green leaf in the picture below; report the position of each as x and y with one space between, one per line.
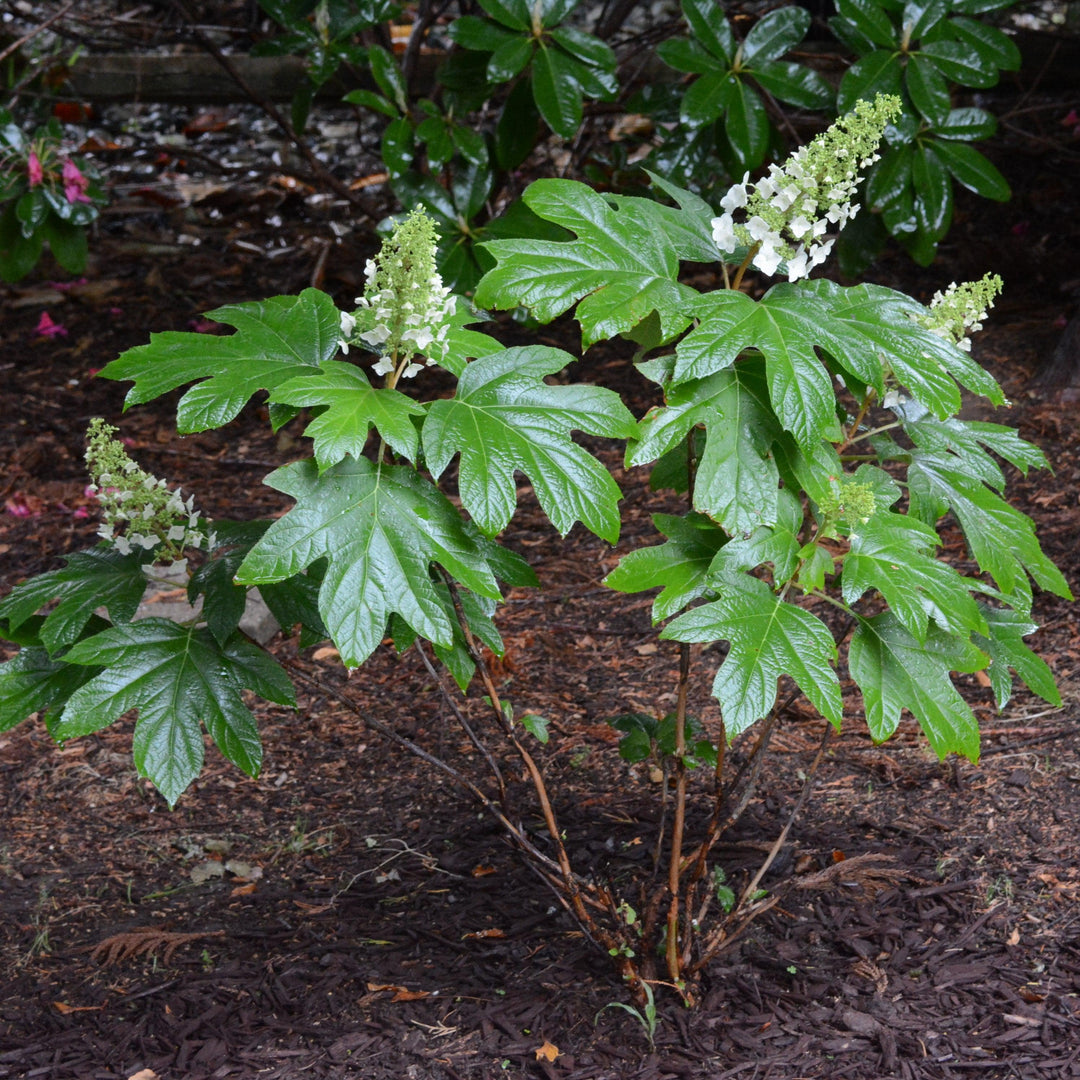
380 527
973 170
686 54
510 59
969 124
680 566
709 26
178 678
919 16
871 20
556 92
933 191
31 682
737 479
776 543
398 146
880 72
387 75
890 177
101 577
472 32
276 339
352 406
368 99
515 132
895 672
775 34
746 124
793 83
928 89
989 42
504 418
769 638
1004 644
707 98
621 266
959 62
588 49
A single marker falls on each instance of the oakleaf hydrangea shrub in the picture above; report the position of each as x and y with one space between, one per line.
814 432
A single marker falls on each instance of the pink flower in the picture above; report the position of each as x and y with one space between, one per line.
75 184
18 507
34 169
49 329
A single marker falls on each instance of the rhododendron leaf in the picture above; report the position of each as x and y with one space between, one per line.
769 638
380 528
352 406
621 267
895 671
101 577
179 678
276 339
503 418
680 566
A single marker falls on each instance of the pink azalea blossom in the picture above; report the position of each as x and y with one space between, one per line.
75 184
34 169
49 329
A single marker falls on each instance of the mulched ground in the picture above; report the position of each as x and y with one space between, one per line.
349 915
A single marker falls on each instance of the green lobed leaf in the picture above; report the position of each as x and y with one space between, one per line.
769 638
32 682
1004 644
890 553
100 577
380 528
1002 539
504 418
680 566
621 266
352 407
777 544
276 339
177 677
737 479
775 34
895 672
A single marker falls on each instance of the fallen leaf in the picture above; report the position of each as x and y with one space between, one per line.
482 871
1014 937
481 934
62 1007
410 995
548 1051
144 1074
244 890
312 909
327 652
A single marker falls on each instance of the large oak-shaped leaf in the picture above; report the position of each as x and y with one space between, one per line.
889 553
895 671
504 418
380 528
769 638
737 478
276 339
863 328
352 407
621 266
1004 644
178 678
101 577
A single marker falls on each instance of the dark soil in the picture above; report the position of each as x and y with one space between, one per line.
365 919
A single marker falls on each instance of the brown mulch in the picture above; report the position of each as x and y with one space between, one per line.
348 915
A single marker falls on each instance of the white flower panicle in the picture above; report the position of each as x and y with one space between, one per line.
139 511
958 312
784 217
405 310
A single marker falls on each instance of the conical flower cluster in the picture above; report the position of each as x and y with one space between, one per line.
958 312
139 510
405 310
784 218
